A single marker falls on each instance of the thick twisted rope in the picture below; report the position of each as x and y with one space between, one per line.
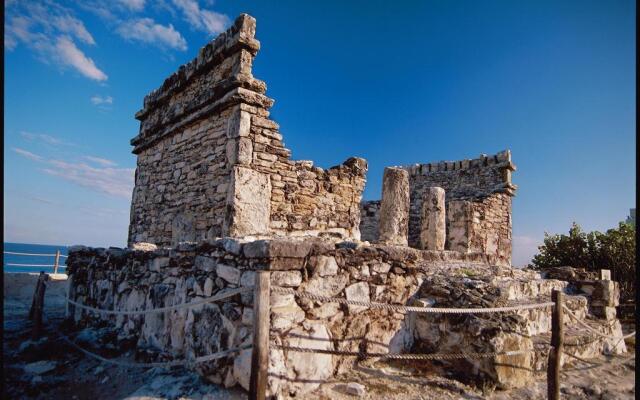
396 307
407 356
174 363
164 309
585 325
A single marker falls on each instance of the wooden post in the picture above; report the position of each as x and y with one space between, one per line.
57 262
37 306
261 322
557 343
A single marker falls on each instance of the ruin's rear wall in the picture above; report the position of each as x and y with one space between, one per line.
470 180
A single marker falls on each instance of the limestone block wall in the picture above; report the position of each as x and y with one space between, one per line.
468 180
483 225
185 164
211 163
477 201
124 279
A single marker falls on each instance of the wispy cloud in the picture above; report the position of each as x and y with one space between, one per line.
99 100
106 179
113 181
70 55
45 201
102 161
201 19
50 31
27 154
133 5
42 137
146 30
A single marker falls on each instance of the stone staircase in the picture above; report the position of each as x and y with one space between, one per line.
508 331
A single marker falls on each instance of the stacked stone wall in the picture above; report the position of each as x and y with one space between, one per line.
211 163
468 180
483 225
124 279
184 167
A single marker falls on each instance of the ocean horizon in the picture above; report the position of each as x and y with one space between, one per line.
32 248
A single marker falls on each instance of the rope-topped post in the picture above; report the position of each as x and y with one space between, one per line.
557 344
260 352
57 262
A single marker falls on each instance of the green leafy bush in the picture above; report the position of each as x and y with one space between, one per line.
615 250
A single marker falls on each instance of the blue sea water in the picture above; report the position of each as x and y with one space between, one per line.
33 249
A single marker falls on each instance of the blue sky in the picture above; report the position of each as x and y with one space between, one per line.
393 82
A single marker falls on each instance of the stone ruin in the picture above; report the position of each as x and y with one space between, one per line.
217 198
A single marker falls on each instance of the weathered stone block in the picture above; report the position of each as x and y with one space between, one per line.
357 292
286 278
229 274
433 219
394 208
249 202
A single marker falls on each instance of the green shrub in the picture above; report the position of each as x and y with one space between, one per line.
615 250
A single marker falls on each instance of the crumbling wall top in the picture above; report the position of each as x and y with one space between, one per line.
467 179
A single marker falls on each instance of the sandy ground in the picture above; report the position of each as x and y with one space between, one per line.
51 369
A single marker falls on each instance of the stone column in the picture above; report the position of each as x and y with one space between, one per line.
394 209
432 219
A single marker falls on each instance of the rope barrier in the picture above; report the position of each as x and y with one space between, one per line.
31 254
575 318
405 356
33 265
164 309
394 307
125 364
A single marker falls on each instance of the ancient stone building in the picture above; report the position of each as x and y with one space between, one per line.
211 163
478 204
218 194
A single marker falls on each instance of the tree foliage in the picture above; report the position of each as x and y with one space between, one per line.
614 250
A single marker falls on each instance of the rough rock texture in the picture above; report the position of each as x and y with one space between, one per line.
477 200
485 183
500 332
433 220
394 208
211 163
125 279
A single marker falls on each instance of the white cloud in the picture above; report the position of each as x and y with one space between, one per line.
147 31
49 30
27 154
41 137
114 181
99 100
71 25
45 201
133 5
102 161
106 179
71 55
204 20
524 248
